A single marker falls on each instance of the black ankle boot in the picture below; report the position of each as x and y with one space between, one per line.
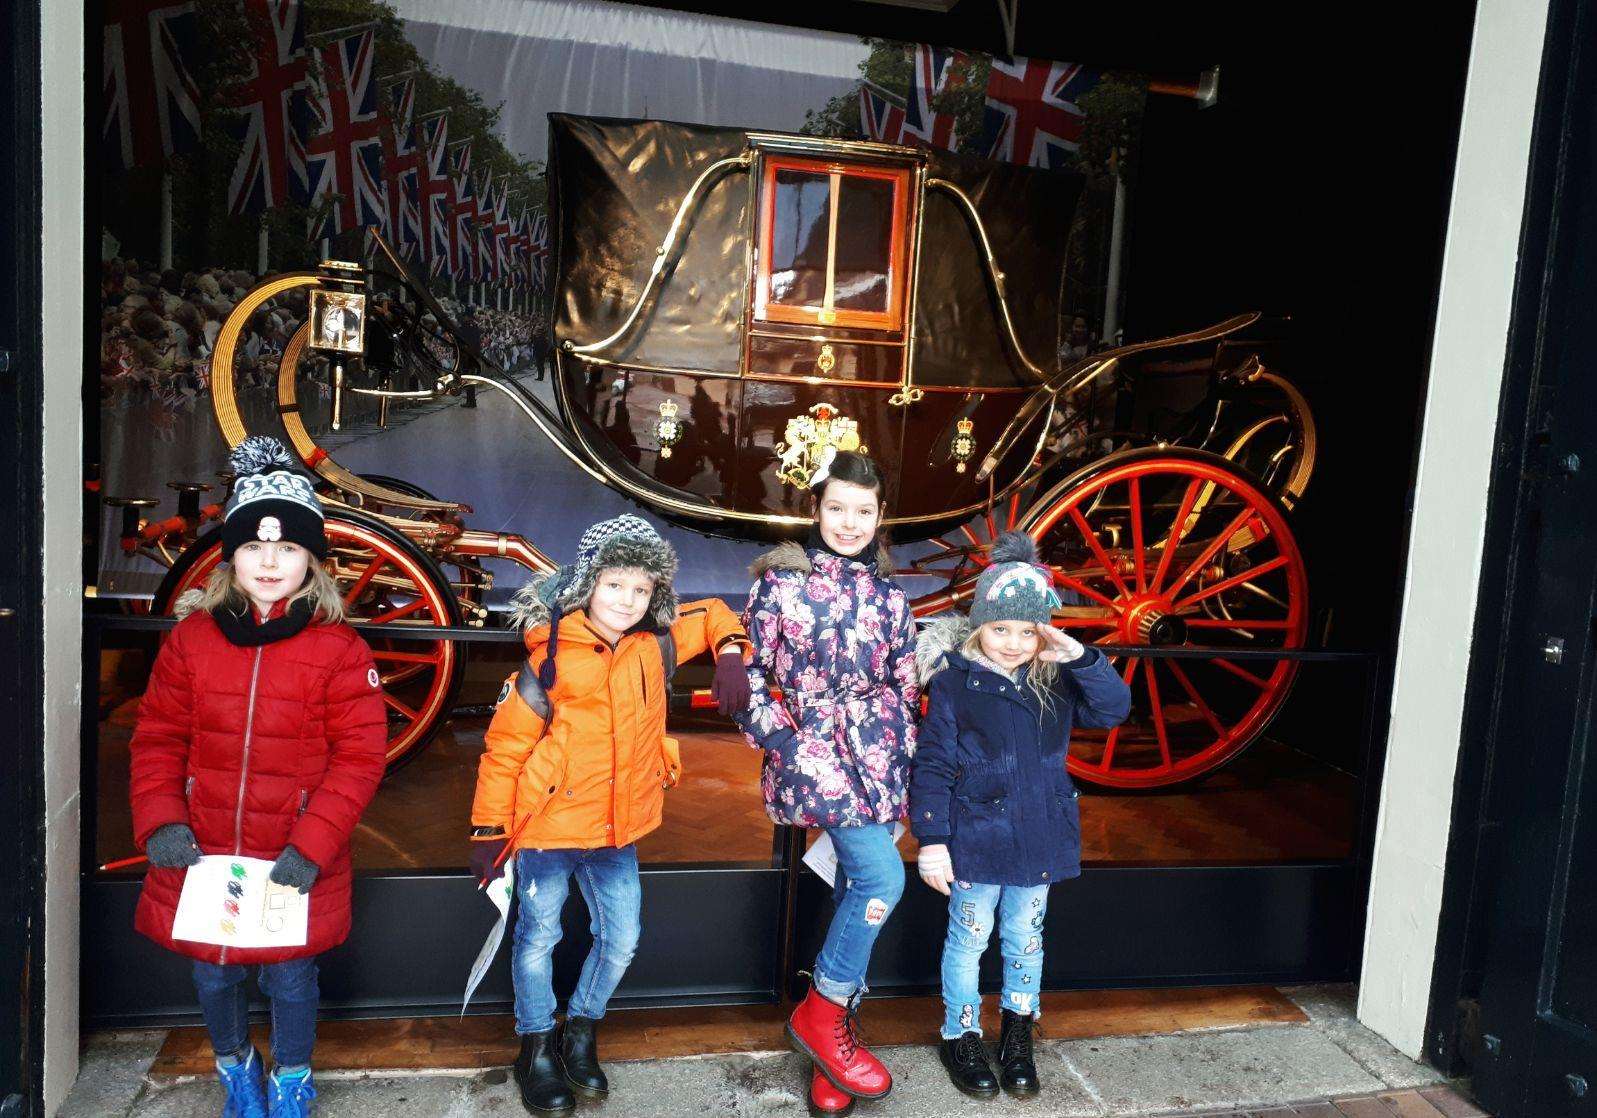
578 1052
1015 1064
543 1088
966 1061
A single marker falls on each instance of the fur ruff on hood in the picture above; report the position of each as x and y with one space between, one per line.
532 605
938 637
791 556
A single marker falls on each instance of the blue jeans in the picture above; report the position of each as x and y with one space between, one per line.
608 878
1021 909
870 879
294 994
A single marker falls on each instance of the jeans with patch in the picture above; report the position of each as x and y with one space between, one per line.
1021 910
293 991
870 879
608 879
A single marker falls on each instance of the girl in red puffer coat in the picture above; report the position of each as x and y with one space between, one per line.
263 734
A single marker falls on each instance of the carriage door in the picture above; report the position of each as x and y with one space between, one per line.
1536 1052
827 326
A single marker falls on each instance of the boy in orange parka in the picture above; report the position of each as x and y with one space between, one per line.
574 772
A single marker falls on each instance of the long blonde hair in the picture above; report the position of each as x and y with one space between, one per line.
1041 674
320 589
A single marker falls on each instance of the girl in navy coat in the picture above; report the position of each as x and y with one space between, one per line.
990 801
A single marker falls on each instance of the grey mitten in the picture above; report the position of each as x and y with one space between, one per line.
293 868
172 847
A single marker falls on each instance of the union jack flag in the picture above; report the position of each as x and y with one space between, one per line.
538 242
487 258
504 230
401 167
881 118
437 193
152 107
274 108
1031 116
464 241
344 156
931 69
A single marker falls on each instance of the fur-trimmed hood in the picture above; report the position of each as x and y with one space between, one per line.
939 637
793 556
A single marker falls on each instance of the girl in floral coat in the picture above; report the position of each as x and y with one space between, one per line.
834 632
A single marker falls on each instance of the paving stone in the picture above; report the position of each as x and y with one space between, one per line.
111 1073
1452 1103
1332 1009
1242 1068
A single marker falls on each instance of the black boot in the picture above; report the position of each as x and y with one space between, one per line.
543 1088
1015 1064
966 1061
578 1053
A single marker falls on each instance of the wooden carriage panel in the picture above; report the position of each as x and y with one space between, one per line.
833 360
932 428
679 429
768 408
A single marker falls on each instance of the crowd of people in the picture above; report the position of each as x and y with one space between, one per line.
158 330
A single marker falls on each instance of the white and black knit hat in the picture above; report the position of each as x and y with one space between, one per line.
271 500
1015 587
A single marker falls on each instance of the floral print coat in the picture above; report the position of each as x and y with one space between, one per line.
838 639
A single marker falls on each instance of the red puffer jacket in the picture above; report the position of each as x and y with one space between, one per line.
257 748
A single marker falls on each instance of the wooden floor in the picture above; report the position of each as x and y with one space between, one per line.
451 1043
1273 803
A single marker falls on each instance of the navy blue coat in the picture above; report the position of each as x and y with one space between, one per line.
989 775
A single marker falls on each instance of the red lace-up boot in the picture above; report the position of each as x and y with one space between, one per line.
826 1101
828 1034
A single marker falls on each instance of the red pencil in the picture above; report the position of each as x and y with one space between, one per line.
123 863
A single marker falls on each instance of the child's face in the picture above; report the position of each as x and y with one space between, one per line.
269 571
847 516
620 599
1009 644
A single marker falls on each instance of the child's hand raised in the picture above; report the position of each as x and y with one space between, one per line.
936 867
1062 647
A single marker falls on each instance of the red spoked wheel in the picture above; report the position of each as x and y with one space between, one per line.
387 580
1175 549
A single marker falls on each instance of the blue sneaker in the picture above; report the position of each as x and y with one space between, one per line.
292 1095
245 1084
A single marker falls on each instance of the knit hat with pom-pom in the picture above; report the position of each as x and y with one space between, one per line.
1015 587
271 500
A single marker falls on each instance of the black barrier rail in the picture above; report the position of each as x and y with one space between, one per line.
1271 921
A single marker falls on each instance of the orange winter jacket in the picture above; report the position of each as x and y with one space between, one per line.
598 776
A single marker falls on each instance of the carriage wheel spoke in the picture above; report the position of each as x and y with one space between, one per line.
378 563
1114 735
407 657
1241 673
1208 552
1135 503
1014 511
1197 700
409 714
1082 588
1098 552
401 611
1227 583
1157 710
1086 623
1178 529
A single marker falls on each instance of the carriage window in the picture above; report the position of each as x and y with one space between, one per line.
864 243
832 244
802 223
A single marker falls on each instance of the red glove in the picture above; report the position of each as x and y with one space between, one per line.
730 690
484 853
